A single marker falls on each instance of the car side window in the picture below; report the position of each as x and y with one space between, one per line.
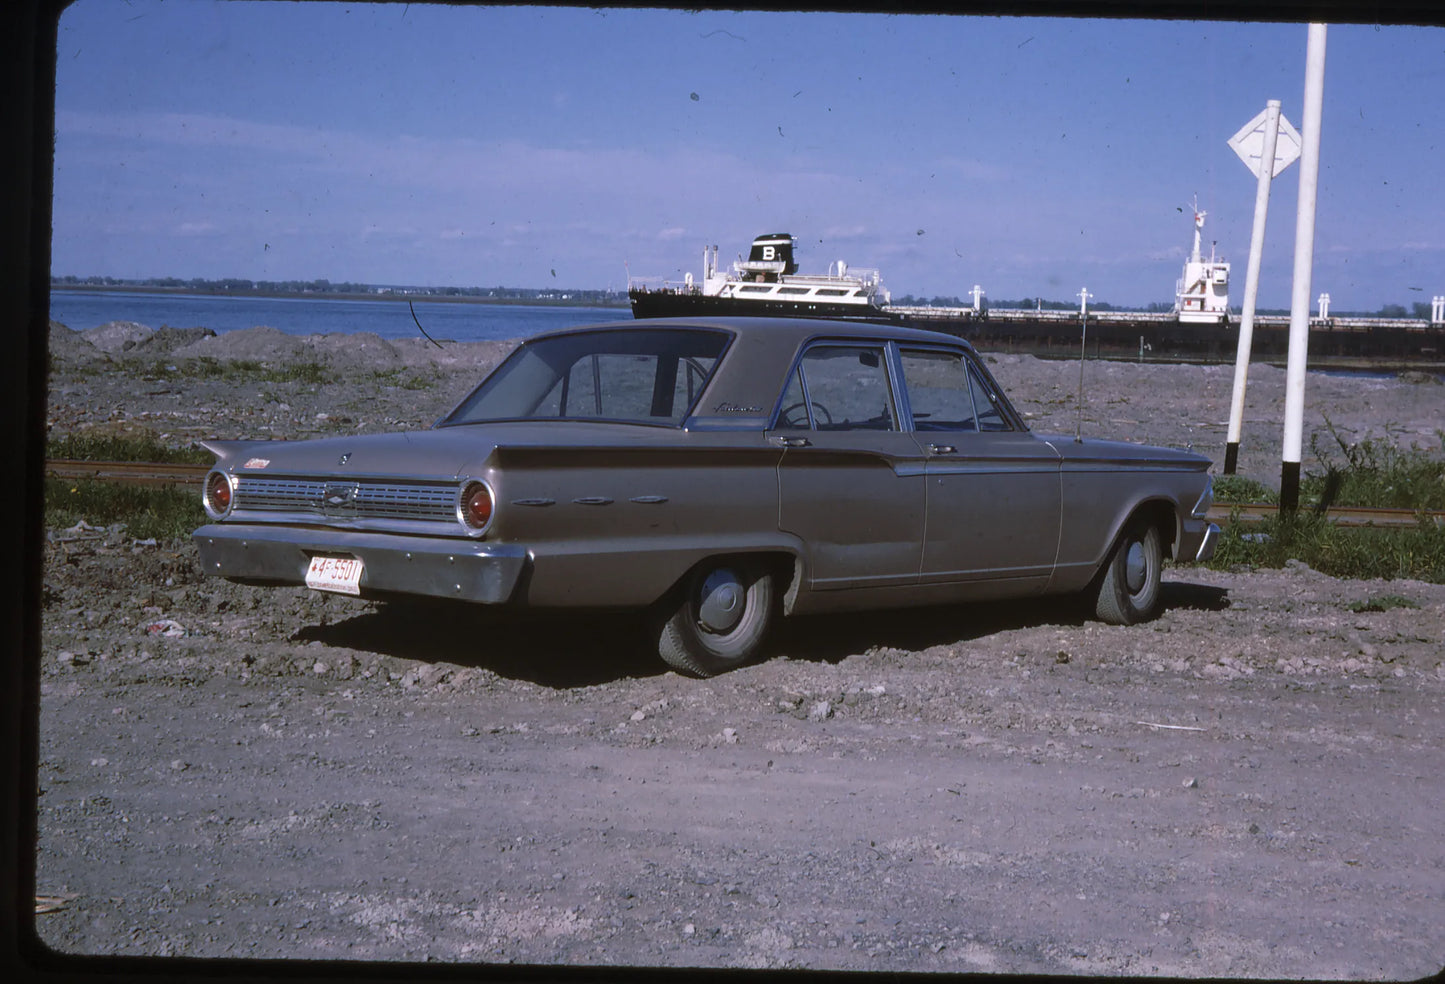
939 393
985 403
947 393
838 388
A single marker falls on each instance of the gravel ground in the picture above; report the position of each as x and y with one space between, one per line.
1246 786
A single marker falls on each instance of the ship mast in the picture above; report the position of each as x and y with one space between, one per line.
1198 229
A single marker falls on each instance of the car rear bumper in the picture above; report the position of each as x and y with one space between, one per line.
439 568
1200 537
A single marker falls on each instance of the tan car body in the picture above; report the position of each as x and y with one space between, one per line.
599 513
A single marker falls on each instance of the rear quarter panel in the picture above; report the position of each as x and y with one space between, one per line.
619 526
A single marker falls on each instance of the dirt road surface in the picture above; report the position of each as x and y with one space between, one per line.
1247 786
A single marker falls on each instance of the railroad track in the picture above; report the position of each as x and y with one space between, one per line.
131 472
1339 515
154 473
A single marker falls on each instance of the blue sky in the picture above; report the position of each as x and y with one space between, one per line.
538 147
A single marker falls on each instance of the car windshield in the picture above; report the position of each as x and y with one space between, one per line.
640 375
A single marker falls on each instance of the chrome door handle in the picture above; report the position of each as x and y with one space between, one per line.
941 449
792 442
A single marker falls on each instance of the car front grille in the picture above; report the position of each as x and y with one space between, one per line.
349 498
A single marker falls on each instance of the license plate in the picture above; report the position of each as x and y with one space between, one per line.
340 574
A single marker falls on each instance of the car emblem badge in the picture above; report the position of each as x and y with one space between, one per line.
339 498
344 458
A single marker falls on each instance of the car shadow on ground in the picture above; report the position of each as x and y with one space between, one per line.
558 649
833 638
563 650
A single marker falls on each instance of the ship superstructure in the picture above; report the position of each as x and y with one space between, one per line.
767 283
1201 297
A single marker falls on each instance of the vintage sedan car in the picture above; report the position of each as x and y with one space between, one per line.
716 473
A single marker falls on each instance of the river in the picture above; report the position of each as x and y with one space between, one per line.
461 322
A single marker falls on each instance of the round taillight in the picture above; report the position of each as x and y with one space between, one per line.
476 506
218 493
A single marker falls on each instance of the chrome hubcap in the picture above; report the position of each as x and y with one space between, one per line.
720 602
1136 568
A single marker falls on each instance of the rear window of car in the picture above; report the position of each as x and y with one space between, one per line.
645 375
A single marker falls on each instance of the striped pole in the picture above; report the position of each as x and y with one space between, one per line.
1304 254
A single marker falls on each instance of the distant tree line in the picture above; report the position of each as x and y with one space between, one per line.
234 285
1419 309
1027 304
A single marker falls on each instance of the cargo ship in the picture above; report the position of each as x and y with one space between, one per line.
766 284
1199 328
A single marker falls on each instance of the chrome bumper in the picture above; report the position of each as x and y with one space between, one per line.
439 568
1207 538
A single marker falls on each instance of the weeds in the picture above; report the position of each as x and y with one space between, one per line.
1370 474
394 377
1375 473
241 372
162 512
1416 552
114 447
1382 603
1236 489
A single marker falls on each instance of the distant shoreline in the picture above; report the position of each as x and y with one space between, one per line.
337 296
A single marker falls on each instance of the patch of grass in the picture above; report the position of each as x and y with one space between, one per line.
1367 474
1382 603
395 377
302 372
1415 552
116 447
239 371
1375 473
1236 489
163 512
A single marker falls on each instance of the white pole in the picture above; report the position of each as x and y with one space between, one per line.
1084 296
1251 285
1304 254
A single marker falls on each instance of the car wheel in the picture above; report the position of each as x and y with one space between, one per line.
719 618
1129 585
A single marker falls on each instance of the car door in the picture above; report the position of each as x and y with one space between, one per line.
851 477
993 489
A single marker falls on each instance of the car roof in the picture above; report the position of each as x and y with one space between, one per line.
747 383
785 331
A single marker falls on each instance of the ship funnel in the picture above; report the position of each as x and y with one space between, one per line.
771 255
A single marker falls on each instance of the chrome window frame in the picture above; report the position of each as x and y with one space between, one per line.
829 341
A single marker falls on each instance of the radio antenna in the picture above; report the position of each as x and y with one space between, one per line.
1084 298
419 327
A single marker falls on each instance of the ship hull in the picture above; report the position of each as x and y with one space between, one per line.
678 304
1331 341
1365 342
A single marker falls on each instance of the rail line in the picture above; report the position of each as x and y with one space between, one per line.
129 472
157 473
1358 516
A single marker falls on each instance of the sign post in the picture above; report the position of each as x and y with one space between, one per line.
1304 255
1267 144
